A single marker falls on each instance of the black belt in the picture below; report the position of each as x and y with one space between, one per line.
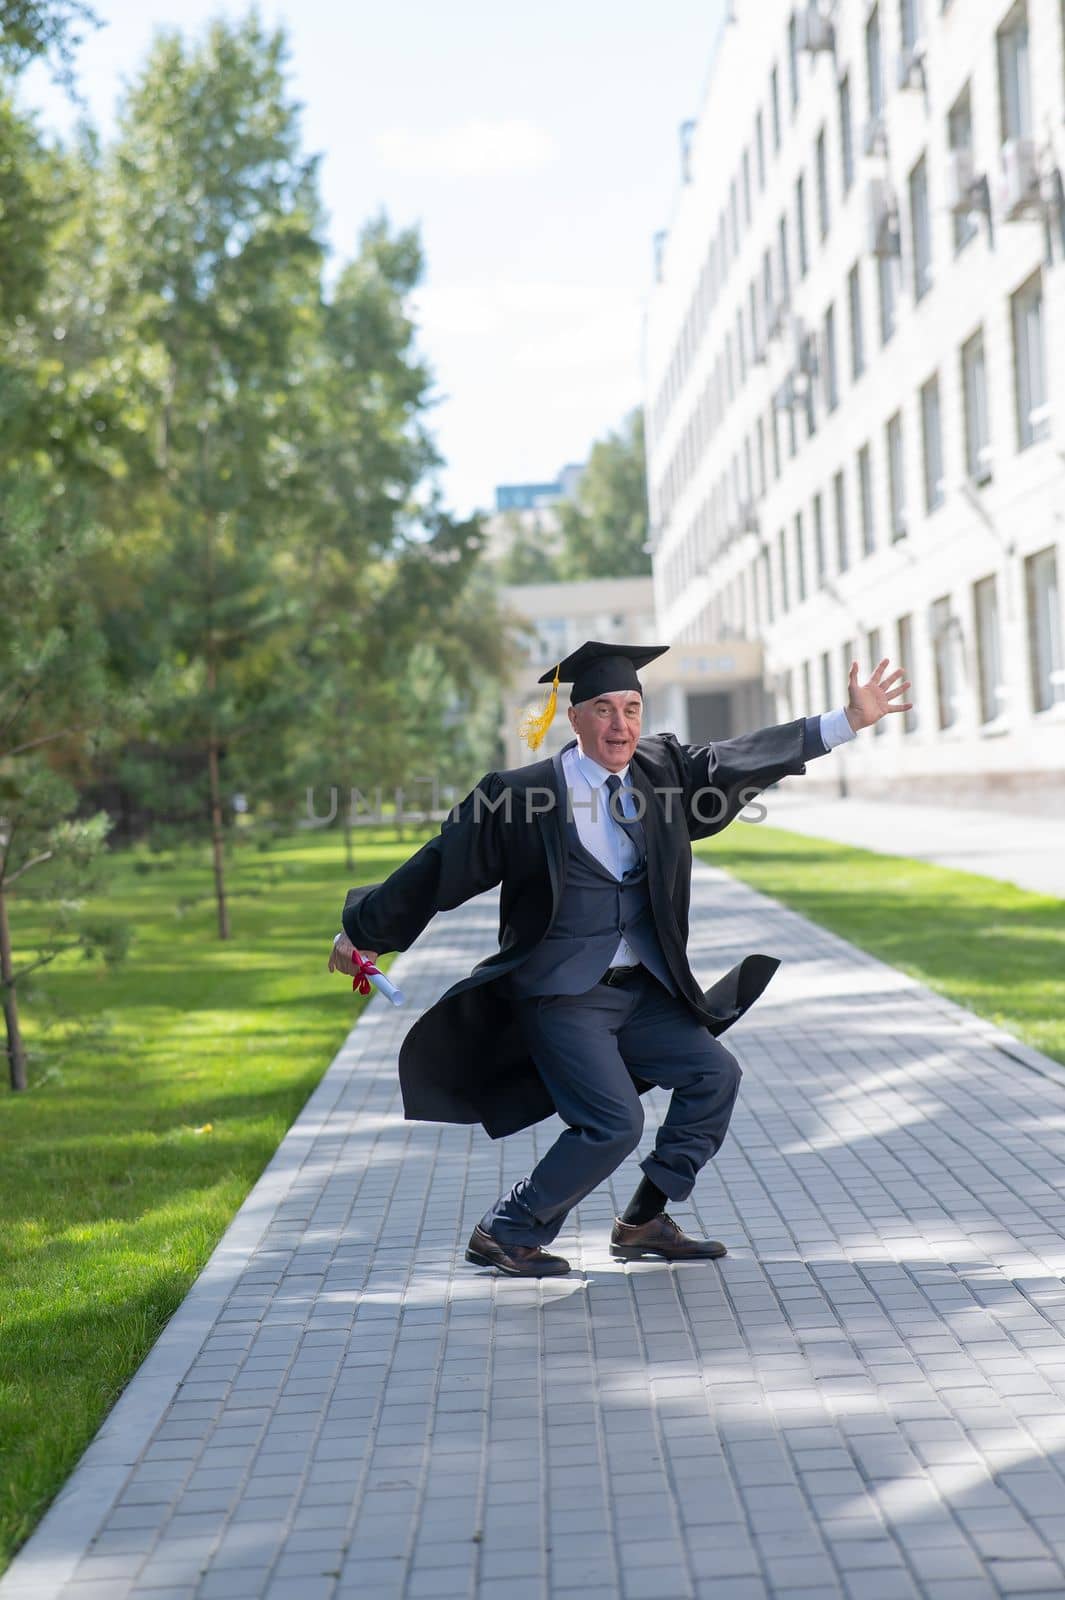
614 975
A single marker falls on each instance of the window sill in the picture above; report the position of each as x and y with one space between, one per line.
994 729
1051 714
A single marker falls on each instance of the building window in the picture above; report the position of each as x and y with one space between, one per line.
932 445
846 133
885 273
904 659
854 302
760 445
1046 661
909 23
745 173
793 62
831 367
734 216
767 586
782 557
774 440
800 224
785 269
1014 76
774 105
921 230
988 648
945 654
800 557
822 185
873 656
741 345
819 542
807 688
1029 366
826 679
865 500
960 138
896 477
847 654
977 423
839 496
874 67
759 149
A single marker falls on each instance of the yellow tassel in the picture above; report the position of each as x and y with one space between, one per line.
534 725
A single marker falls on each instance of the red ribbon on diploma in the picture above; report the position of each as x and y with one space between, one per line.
360 983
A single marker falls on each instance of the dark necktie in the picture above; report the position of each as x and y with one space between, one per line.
631 825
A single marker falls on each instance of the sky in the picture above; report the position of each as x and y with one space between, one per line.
536 148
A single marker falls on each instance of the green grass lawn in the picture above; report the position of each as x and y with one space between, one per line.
991 947
160 1092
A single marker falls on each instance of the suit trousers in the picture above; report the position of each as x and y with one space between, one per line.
584 1046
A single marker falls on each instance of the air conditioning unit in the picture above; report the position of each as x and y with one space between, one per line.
748 519
874 138
814 31
1019 192
778 320
958 181
910 68
882 215
785 397
982 469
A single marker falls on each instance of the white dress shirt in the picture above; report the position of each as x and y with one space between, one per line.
605 839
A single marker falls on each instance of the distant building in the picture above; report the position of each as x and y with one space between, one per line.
855 405
529 508
534 496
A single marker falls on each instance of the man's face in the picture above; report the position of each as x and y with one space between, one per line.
608 727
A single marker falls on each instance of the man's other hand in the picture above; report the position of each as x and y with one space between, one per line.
340 957
870 701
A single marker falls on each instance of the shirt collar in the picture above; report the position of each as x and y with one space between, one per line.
596 774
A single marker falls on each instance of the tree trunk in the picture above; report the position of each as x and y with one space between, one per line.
214 777
16 1051
217 837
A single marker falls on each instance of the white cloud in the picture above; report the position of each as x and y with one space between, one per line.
476 149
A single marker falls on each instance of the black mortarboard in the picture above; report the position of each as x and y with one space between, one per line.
597 668
593 669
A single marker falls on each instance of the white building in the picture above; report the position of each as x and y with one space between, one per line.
855 386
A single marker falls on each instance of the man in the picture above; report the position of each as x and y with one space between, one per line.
589 999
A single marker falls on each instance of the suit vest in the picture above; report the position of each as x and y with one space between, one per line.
595 909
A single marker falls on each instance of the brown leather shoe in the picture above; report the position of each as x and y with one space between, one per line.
660 1237
518 1260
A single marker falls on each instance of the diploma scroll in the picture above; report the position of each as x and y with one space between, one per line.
368 974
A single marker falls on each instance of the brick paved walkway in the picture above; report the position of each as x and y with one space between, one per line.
865 1399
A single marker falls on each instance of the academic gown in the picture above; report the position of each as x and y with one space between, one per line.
464 1059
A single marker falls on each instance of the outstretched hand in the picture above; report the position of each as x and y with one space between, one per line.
870 701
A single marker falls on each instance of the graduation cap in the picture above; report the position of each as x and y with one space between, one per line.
593 669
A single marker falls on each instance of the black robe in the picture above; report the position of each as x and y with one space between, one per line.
464 1059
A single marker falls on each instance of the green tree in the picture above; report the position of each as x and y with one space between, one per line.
50 666
531 555
398 624
211 236
604 530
